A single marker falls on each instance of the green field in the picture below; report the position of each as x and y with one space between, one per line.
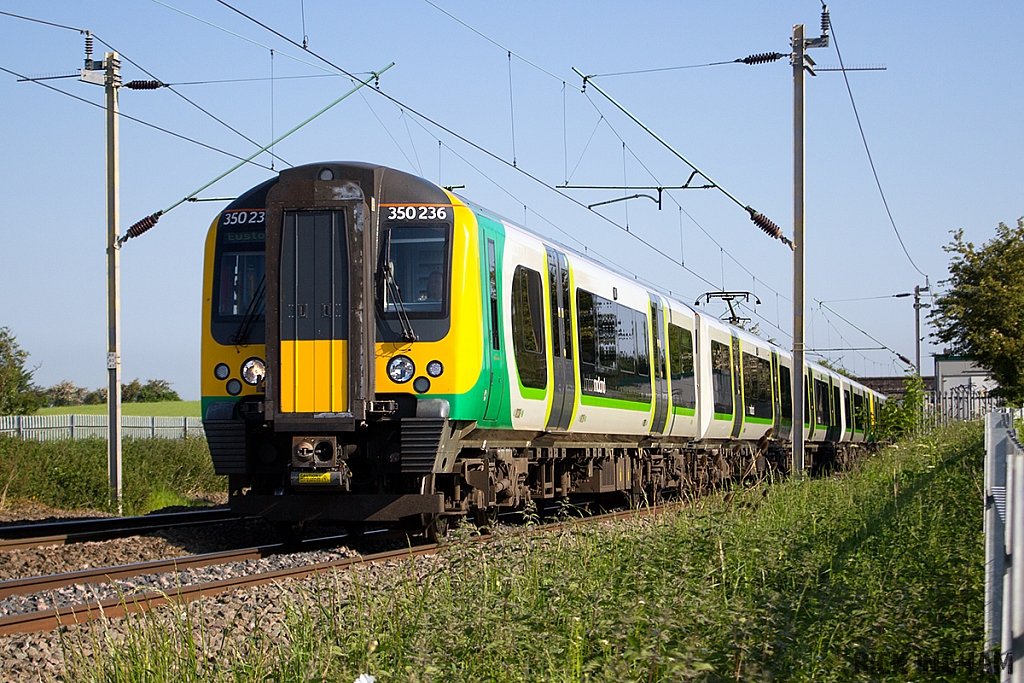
165 409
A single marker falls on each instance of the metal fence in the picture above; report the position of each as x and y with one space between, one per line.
52 427
1004 545
957 405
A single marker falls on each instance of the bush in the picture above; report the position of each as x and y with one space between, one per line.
898 418
72 474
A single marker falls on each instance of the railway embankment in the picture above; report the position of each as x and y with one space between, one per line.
873 574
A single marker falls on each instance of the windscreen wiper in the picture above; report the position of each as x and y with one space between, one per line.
408 334
241 336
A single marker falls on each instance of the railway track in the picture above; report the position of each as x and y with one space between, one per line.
53 618
24 536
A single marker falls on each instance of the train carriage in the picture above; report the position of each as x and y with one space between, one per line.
377 349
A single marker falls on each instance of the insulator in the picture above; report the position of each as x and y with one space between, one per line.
143 225
763 58
766 224
824 20
143 85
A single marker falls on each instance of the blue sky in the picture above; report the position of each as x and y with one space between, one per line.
942 121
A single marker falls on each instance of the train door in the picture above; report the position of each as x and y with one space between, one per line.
660 372
564 390
495 365
776 396
314 309
835 430
737 388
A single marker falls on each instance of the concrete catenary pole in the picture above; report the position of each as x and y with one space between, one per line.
798 250
112 83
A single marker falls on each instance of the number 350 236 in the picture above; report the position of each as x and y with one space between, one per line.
413 213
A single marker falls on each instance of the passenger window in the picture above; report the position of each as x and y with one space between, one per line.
626 347
757 388
786 394
528 327
585 323
721 377
643 357
680 350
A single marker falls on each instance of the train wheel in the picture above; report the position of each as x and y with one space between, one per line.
437 529
486 519
290 533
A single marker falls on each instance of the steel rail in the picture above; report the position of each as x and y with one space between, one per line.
22 536
34 584
51 619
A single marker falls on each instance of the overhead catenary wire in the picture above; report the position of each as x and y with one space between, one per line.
865 333
186 99
867 150
469 142
149 221
749 60
474 145
496 157
134 119
615 132
759 219
137 85
760 58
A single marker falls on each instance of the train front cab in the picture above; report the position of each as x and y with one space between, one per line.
323 434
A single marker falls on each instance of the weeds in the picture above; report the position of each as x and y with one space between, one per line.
873 575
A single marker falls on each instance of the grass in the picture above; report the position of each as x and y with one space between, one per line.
873 576
162 409
72 474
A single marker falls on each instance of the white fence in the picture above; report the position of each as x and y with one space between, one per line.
1004 545
51 427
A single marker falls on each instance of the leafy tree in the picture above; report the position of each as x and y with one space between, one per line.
17 394
982 312
65 394
153 391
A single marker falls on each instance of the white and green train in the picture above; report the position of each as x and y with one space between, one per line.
377 349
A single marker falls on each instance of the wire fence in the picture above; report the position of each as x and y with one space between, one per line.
53 427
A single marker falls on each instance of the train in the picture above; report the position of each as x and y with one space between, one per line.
377 350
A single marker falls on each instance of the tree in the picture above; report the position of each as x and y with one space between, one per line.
981 314
17 395
153 391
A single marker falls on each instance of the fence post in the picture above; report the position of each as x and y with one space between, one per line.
996 447
1015 534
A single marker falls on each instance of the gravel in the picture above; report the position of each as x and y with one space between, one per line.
39 656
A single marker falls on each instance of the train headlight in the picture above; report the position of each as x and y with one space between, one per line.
401 369
221 371
421 385
253 371
434 368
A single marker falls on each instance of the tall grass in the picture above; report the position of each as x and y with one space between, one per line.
72 473
875 575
